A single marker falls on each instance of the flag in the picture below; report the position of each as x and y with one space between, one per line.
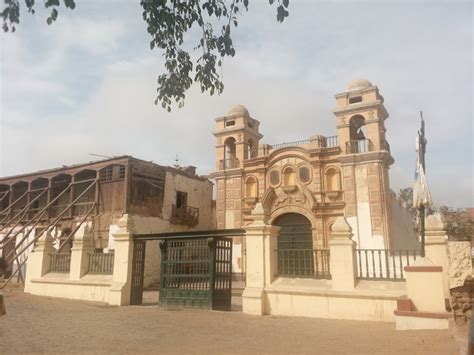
421 192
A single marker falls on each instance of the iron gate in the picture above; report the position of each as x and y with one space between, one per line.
196 273
138 268
295 246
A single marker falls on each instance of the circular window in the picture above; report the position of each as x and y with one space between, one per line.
304 174
274 177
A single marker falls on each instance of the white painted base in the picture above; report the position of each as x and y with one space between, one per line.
88 288
253 301
418 323
317 299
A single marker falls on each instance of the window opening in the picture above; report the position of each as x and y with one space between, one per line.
181 199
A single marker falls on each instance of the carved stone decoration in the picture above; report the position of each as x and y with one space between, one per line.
250 202
239 137
219 141
293 196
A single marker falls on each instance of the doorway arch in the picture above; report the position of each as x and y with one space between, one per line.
295 245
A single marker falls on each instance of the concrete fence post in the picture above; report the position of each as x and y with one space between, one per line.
342 259
436 247
82 247
39 260
261 265
425 287
119 293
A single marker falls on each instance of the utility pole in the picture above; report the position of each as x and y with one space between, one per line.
422 152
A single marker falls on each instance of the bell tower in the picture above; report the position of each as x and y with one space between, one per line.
365 159
237 140
360 115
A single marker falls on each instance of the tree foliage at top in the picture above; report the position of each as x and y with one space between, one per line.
167 23
458 223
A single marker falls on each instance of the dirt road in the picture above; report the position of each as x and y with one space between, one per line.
44 325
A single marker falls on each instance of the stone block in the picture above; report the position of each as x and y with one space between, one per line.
374 182
351 210
373 169
460 263
349 184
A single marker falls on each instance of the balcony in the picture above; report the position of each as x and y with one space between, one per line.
359 146
185 215
232 163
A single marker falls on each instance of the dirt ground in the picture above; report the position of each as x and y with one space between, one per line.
51 325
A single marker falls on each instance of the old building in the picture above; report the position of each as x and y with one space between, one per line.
306 185
60 200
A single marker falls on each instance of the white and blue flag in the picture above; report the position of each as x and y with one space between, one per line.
421 192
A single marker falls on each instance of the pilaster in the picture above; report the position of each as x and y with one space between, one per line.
261 267
119 293
39 259
342 260
81 249
436 247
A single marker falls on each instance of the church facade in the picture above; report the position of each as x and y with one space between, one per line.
305 185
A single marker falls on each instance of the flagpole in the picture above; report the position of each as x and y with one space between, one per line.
422 207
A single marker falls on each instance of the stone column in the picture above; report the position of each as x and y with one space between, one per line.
39 259
261 267
82 247
119 293
436 247
342 258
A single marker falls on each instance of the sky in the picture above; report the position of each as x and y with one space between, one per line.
86 85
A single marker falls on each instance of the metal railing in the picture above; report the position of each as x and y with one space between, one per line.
383 264
359 146
231 163
185 215
310 263
290 144
100 263
60 262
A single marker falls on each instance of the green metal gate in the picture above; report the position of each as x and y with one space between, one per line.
295 246
138 268
196 273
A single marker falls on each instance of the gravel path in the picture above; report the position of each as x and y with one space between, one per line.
45 325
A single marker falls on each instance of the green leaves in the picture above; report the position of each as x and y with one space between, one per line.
11 12
168 21
10 15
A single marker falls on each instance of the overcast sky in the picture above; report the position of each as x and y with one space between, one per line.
87 84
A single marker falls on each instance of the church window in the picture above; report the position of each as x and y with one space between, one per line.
355 99
274 177
356 128
251 149
289 176
304 174
251 187
333 180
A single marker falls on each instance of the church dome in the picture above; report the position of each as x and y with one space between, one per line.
238 110
358 84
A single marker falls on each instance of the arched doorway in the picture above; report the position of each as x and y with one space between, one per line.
295 246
